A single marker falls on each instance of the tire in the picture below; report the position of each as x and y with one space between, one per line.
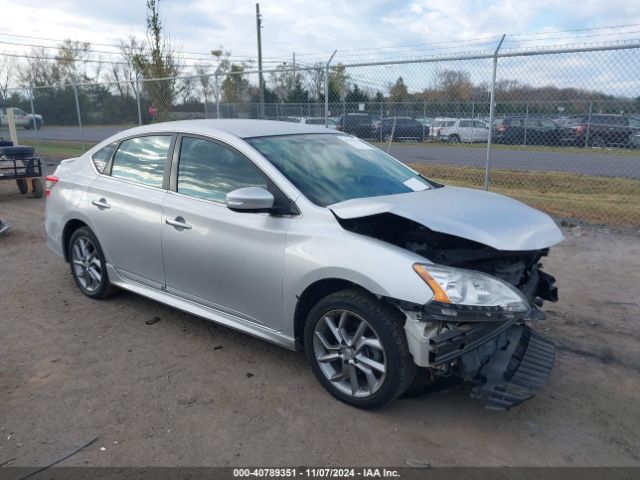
597 141
421 380
91 256
18 151
38 188
37 124
23 185
382 344
454 138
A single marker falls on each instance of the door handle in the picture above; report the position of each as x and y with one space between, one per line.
178 223
102 203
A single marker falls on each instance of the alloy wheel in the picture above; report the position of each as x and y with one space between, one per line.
86 264
349 353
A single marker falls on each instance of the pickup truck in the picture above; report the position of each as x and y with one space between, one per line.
23 119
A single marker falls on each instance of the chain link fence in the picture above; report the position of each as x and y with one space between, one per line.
563 134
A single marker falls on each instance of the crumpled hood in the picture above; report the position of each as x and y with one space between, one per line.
488 218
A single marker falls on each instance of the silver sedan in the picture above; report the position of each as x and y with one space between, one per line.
315 240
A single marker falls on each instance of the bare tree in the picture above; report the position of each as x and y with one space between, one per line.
126 72
40 69
71 61
316 80
8 70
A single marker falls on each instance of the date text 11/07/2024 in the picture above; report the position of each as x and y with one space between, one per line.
316 472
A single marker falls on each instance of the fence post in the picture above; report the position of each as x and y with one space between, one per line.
217 97
75 93
586 137
526 120
33 116
492 113
326 90
138 98
473 111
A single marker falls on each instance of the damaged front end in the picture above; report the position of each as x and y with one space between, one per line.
476 327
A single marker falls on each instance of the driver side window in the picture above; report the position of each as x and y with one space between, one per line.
209 170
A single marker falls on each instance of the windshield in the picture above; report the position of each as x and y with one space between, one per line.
329 169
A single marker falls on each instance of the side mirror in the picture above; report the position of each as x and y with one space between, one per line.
250 199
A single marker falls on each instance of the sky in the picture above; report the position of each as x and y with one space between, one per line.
361 31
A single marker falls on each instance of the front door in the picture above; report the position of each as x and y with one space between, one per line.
227 260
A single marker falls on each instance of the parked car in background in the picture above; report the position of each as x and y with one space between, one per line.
455 130
22 119
634 141
316 241
331 123
528 131
424 121
358 124
602 130
403 128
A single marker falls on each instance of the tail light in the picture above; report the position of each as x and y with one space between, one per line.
51 181
339 127
581 129
503 128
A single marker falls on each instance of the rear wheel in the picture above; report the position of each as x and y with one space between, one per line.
23 185
357 348
38 189
88 266
597 141
454 138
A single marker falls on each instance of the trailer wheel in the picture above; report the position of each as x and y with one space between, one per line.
38 189
23 185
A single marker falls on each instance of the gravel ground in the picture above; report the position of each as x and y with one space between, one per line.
182 391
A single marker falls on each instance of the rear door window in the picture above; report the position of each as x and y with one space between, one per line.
142 159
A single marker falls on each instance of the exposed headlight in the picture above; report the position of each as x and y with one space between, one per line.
458 287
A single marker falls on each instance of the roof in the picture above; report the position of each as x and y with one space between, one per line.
238 127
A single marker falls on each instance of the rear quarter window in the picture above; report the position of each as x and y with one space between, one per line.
102 156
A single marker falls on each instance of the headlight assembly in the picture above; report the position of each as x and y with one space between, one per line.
454 287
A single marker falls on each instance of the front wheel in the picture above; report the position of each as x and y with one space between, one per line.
357 348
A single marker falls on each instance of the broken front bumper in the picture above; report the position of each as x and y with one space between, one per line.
516 372
506 361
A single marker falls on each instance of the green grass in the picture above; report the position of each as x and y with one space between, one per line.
57 149
527 148
600 200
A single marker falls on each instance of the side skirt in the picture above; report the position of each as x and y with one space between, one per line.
201 311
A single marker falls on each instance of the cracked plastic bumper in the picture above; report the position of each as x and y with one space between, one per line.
516 373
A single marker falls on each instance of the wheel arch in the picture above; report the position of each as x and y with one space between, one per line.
314 293
309 297
70 227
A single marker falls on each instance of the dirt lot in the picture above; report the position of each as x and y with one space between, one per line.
186 392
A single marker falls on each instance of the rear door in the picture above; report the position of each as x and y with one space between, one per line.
126 205
227 260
